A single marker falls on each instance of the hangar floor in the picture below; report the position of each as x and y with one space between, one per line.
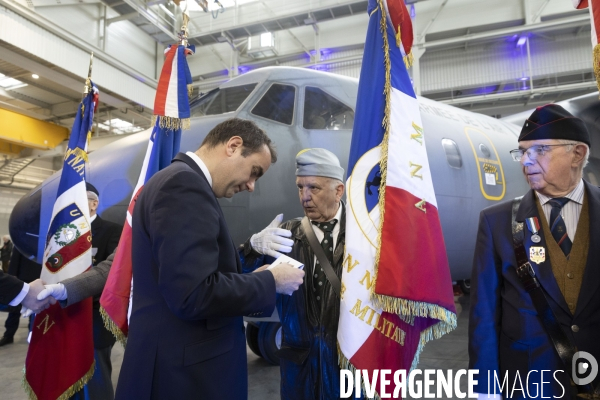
449 352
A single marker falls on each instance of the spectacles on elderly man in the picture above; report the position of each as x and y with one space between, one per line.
533 152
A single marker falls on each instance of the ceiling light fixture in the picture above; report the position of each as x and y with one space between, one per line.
35 76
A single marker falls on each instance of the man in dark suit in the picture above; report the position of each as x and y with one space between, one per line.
5 252
105 238
28 271
186 335
562 241
14 291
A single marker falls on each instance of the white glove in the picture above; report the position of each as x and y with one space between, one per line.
272 240
58 291
25 312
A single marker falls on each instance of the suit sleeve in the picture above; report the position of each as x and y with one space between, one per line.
87 284
189 246
10 287
485 313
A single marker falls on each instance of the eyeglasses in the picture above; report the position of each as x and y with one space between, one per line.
533 152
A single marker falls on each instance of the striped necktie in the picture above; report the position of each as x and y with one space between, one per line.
319 277
557 225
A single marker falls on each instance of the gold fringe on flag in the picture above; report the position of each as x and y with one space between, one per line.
596 58
190 89
110 325
171 123
346 364
76 387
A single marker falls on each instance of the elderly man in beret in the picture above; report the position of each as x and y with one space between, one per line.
561 241
309 317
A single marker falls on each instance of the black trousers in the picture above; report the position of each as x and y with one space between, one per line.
12 321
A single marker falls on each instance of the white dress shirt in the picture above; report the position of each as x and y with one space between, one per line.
336 230
202 166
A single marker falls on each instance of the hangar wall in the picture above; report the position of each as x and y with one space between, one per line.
496 62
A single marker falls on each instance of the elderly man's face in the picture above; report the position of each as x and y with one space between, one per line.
556 172
319 196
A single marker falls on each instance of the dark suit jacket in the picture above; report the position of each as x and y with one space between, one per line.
23 268
105 238
186 334
10 287
505 332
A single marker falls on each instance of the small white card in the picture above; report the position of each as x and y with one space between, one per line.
490 179
287 260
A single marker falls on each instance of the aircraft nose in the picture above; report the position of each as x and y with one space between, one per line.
24 223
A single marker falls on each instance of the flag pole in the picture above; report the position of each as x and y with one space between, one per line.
88 84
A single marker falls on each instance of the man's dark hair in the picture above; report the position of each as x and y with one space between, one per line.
254 138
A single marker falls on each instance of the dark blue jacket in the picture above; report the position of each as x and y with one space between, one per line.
309 360
186 334
505 332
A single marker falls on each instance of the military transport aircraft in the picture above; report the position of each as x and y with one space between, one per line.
299 108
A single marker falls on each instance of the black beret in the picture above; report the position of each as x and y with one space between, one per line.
91 188
554 122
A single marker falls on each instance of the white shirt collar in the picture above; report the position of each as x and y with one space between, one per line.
92 218
202 166
576 195
338 214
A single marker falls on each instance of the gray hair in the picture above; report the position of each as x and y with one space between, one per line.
573 143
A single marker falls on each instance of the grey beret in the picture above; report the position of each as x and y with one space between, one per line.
318 162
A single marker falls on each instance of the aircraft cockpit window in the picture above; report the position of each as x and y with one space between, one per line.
277 104
452 153
221 101
323 111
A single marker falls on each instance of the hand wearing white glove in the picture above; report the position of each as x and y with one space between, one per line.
272 241
57 290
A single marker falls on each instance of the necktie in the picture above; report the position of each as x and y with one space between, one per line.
319 277
557 225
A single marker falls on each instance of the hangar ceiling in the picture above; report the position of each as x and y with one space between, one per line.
51 38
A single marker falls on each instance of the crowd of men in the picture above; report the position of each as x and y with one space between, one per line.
193 285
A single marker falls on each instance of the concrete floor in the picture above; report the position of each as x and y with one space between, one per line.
449 352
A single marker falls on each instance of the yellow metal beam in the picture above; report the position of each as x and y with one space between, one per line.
25 131
10 148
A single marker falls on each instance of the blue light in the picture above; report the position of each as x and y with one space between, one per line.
413 12
521 41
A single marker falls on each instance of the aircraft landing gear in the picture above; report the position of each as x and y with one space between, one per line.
264 339
465 286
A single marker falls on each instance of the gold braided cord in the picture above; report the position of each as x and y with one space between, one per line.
387 90
408 60
190 90
596 58
112 327
74 388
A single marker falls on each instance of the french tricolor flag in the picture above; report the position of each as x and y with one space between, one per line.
396 286
172 111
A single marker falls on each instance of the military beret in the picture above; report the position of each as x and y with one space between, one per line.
91 188
554 122
319 162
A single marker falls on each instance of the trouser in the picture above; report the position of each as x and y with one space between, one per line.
12 321
100 386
